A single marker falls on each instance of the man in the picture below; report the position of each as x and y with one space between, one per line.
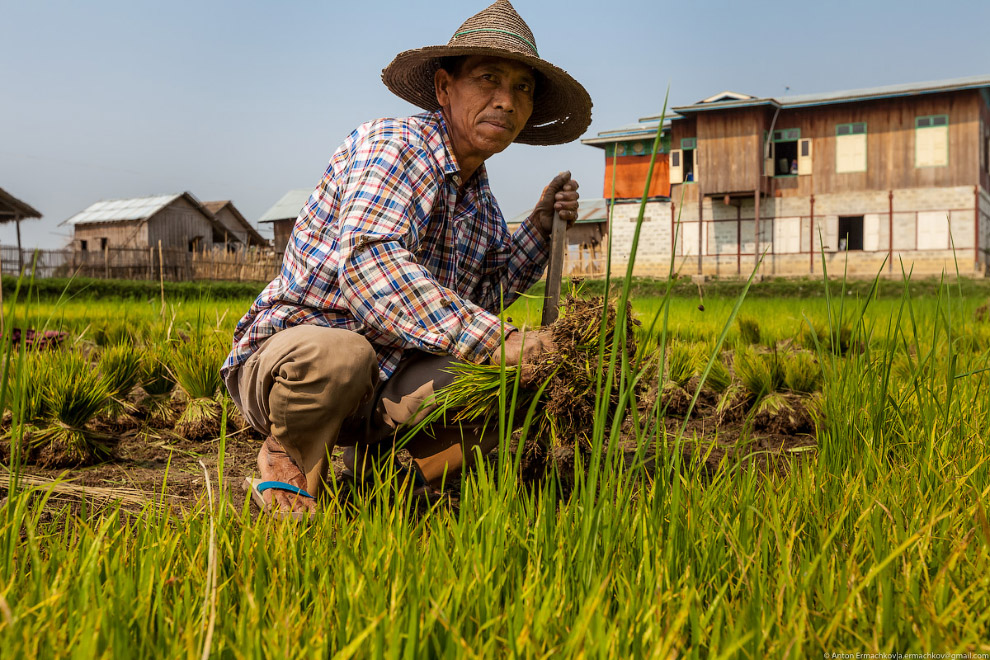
399 262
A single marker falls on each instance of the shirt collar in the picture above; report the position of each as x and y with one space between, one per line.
444 155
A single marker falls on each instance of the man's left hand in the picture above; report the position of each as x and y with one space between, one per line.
560 195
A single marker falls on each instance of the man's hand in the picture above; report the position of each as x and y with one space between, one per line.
523 349
560 195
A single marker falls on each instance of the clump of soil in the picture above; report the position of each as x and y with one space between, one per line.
572 371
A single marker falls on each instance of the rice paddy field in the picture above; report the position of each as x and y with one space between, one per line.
733 476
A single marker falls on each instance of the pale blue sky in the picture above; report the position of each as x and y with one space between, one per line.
245 100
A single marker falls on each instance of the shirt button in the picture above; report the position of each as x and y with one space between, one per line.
446 302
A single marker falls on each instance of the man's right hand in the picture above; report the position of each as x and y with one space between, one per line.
523 349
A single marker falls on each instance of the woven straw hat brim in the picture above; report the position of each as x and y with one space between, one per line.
561 105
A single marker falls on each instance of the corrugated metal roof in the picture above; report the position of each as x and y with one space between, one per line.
849 95
117 210
288 207
644 128
589 210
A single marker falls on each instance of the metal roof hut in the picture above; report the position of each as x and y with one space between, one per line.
236 227
283 215
13 209
177 221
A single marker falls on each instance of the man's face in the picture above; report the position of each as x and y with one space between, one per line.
486 104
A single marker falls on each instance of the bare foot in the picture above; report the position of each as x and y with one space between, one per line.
276 465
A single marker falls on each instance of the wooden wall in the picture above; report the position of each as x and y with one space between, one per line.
729 156
630 175
178 224
282 230
235 230
890 142
133 234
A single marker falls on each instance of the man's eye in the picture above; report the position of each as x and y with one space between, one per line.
488 76
525 87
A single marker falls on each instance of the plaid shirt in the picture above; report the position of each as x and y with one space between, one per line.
384 248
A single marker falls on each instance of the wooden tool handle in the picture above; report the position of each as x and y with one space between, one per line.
555 268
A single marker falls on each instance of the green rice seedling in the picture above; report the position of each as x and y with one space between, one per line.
121 366
25 396
158 383
113 333
718 377
195 365
73 394
802 374
749 330
819 336
760 373
680 364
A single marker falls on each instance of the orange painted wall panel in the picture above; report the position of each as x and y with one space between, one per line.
630 176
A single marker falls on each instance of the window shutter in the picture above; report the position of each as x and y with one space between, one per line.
850 153
940 146
804 157
676 166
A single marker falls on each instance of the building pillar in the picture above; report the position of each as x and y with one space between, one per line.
738 238
20 254
701 227
756 226
673 223
976 227
811 238
890 233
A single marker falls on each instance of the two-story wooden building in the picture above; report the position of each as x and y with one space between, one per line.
867 176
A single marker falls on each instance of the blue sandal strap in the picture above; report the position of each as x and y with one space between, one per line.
281 485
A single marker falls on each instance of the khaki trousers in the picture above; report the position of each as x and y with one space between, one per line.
312 388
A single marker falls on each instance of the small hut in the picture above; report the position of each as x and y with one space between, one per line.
173 221
283 215
237 230
14 210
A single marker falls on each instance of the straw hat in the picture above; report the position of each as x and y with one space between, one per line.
561 106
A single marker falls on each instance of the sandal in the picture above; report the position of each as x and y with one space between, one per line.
259 486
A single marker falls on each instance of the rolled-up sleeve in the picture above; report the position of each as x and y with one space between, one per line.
385 205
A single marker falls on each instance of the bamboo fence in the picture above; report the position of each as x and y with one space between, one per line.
153 263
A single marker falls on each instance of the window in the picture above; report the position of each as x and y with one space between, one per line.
688 146
850 147
804 157
850 233
103 243
83 245
785 151
682 162
194 243
931 141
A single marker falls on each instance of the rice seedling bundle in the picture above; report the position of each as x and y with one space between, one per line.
158 384
680 364
760 373
569 377
802 375
121 366
25 393
195 365
749 330
73 394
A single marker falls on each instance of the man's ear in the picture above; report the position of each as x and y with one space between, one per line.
441 82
